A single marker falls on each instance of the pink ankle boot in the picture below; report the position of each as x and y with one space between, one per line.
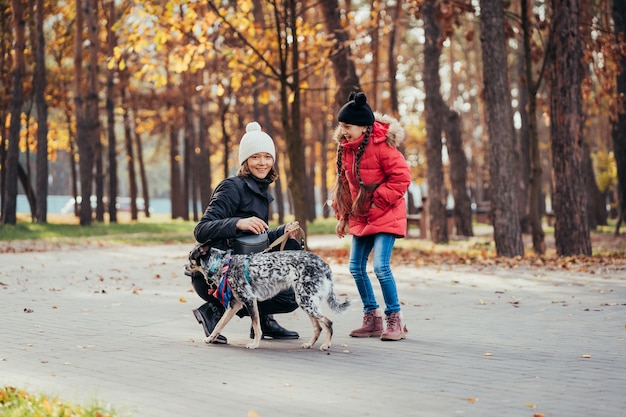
372 325
394 330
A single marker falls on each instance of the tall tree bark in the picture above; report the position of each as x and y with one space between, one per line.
618 127
9 214
128 143
142 166
86 106
92 105
42 116
462 212
507 231
392 58
534 190
203 165
346 77
434 125
571 229
110 111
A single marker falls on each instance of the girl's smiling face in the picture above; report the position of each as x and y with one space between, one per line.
260 164
352 132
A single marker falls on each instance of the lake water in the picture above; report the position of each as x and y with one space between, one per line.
57 202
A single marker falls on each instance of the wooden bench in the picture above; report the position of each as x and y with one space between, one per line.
418 220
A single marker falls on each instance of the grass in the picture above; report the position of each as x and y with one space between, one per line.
161 229
19 403
153 230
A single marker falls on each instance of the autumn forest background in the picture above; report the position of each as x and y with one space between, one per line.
513 110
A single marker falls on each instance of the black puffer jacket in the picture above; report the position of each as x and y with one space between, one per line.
233 199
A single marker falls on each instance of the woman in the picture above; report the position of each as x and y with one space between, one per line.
372 179
240 205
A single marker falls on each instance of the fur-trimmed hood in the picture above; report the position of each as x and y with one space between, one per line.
386 124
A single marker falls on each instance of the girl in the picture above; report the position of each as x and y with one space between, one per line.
372 179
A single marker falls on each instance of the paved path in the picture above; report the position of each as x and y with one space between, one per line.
114 325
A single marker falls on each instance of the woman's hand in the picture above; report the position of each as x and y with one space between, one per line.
340 229
293 229
253 224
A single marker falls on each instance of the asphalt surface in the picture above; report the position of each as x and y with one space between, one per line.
114 326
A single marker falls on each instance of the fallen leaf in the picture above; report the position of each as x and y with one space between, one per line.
28 310
182 299
530 405
538 415
586 356
471 400
487 354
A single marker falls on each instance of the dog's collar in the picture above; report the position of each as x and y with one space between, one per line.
220 262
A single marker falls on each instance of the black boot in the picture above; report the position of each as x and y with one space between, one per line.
208 315
271 328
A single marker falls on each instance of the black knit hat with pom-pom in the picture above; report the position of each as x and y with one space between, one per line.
356 111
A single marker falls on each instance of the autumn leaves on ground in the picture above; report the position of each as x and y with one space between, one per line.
479 251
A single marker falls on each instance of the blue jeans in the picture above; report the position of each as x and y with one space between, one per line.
382 244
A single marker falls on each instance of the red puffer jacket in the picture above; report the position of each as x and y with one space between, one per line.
382 164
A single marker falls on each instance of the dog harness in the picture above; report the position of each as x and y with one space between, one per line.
223 291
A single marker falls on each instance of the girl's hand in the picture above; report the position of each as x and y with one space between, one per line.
253 224
340 229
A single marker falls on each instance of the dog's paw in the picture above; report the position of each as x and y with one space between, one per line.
306 346
324 347
252 345
209 340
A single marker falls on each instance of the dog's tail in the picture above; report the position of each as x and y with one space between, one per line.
336 305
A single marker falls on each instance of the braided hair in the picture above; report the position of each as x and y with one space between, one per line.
341 197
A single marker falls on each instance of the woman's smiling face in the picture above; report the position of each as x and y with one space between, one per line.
260 164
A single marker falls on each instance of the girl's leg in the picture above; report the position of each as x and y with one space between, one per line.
383 245
361 248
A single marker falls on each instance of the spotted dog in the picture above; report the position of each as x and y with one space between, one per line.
247 279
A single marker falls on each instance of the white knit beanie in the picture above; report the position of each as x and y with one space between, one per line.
255 141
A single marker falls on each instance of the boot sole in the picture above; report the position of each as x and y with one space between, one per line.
392 339
375 334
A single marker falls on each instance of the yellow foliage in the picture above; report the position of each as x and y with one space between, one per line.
264 97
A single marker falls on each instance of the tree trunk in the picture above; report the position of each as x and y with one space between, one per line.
142 167
523 141
346 77
458 175
596 201
130 153
9 215
507 231
176 196
189 145
92 107
42 116
393 61
290 115
618 127
110 111
432 110
203 165
571 229
534 189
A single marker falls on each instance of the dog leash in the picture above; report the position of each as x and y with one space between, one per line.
282 240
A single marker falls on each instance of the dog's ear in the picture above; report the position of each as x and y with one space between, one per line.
199 250
205 247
